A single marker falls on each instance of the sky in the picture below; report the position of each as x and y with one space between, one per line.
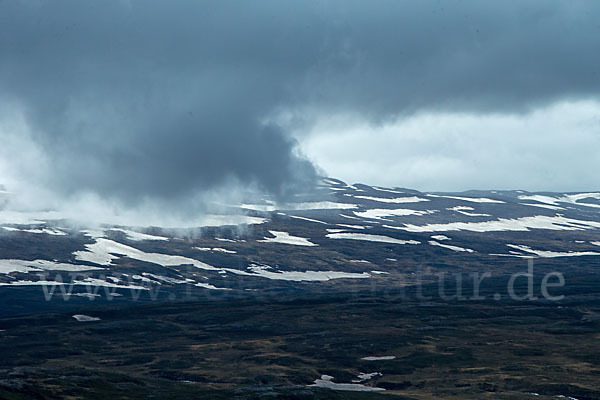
166 101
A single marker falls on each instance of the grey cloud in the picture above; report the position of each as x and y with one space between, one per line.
160 99
405 57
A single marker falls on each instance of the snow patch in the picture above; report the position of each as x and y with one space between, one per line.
315 205
541 198
552 254
349 217
229 240
557 223
450 247
298 276
167 279
286 238
567 198
326 381
217 249
465 210
138 236
470 199
88 295
380 213
378 358
352 226
8 266
47 231
440 237
362 377
209 286
370 238
411 199
548 206
104 251
320 205
308 219
381 189
85 318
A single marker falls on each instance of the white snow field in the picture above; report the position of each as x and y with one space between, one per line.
8 266
138 236
450 247
381 213
567 198
440 237
286 238
313 205
470 199
552 254
314 276
104 251
370 238
556 223
466 210
85 318
48 231
396 200
326 381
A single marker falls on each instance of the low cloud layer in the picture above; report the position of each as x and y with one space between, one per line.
162 100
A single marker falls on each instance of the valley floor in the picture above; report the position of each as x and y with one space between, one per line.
264 348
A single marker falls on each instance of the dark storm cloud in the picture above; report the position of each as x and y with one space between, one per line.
147 98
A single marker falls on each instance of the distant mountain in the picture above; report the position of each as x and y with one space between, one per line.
341 235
